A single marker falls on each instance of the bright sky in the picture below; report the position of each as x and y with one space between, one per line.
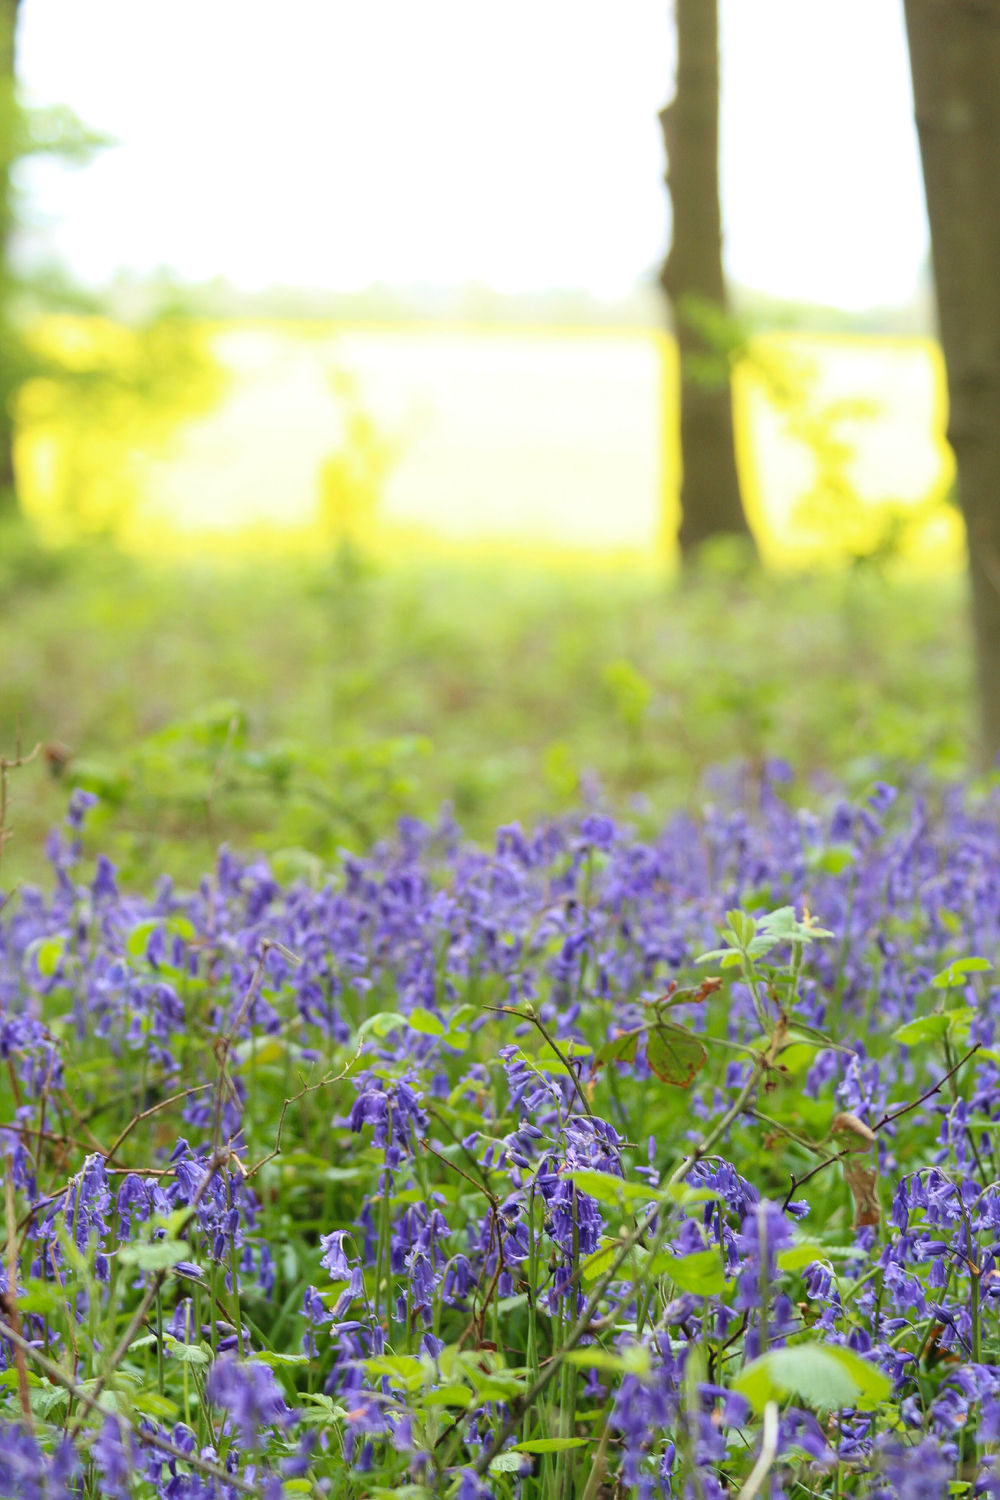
340 142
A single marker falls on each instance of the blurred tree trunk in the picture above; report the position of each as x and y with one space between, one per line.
8 118
692 278
955 63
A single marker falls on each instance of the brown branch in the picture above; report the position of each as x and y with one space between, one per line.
886 1119
112 1150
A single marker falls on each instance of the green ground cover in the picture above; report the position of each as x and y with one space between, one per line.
306 706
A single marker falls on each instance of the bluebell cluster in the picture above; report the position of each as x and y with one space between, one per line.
337 1188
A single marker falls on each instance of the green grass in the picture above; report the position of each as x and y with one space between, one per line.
306 707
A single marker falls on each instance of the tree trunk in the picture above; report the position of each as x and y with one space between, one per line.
8 115
955 63
692 273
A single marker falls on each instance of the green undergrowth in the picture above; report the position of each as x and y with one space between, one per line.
305 707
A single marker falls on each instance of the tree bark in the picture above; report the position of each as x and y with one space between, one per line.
955 64
8 116
710 492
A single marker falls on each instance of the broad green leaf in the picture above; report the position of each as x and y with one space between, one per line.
607 1189
600 1263
155 1405
138 939
405 1368
47 953
506 1463
955 973
634 1359
188 1354
154 1255
675 1055
447 1395
833 860
797 1257
426 1022
383 1023
700 1273
923 1029
826 1376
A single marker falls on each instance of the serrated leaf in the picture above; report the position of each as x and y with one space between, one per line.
675 1055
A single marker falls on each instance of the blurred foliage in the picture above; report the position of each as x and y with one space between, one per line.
103 393
293 707
353 477
843 522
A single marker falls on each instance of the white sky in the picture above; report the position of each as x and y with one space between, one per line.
513 142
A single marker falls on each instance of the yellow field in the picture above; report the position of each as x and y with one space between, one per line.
547 441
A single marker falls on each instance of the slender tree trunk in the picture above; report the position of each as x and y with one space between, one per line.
710 492
8 107
955 63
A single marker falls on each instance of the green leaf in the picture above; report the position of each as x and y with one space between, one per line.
797 1257
188 1354
447 1395
403 1368
506 1463
47 953
634 1359
742 927
383 1023
138 939
155 1405
700 1272
619 1049
549 1445
154 1255
607 1189
426 1022
675 1055
955 973
826 1376
923 1029
833 860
